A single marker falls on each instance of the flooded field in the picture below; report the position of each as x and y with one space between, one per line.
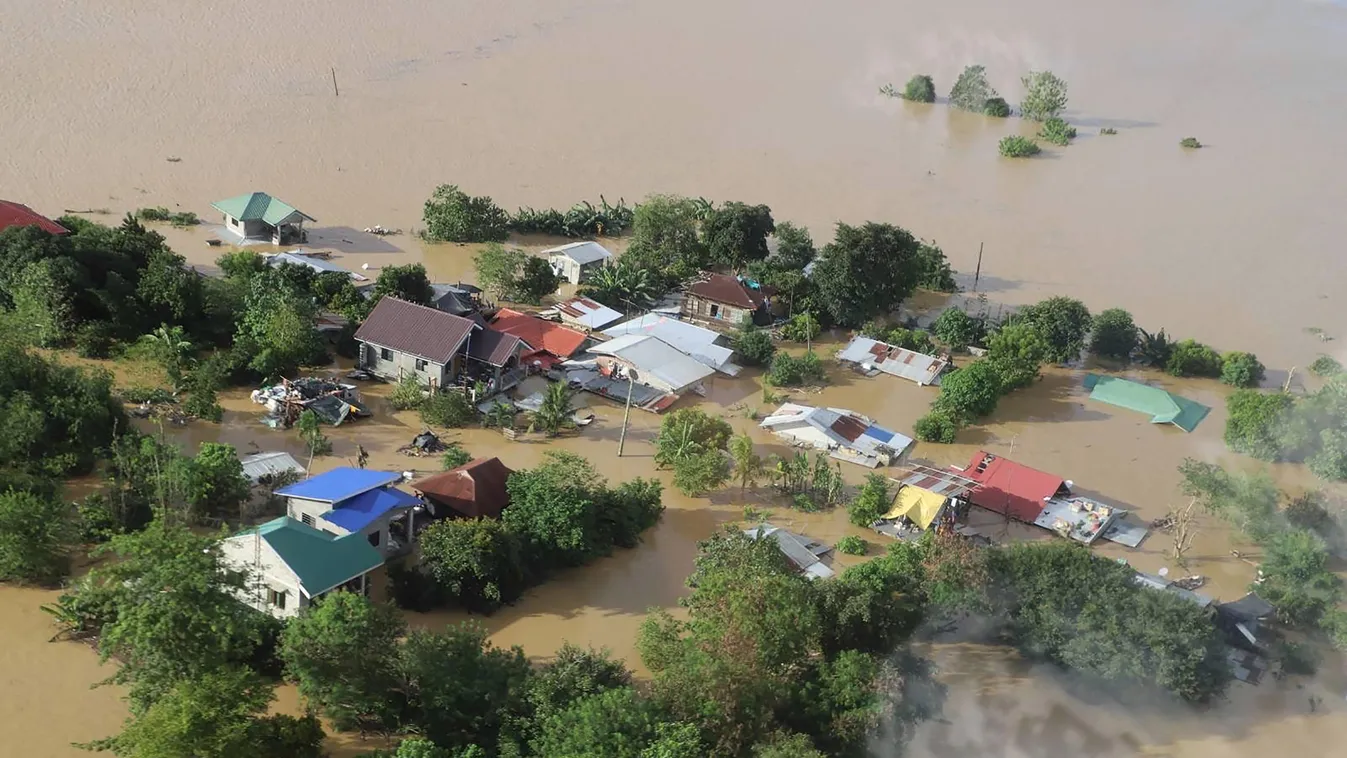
543 103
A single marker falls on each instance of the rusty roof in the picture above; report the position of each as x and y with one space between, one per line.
723 288
18 214
492 346
415 329
475 489
849 427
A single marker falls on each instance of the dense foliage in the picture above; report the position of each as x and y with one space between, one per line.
1241 369
789 371
1114 334
936 426
693 444
1192 358
407 282
477 562
871 503
1017 351
867 271
584 219
1044 96
919 89
514 275
448 408
970 392
753 345
957 330
665 239
971 90
37 530
1057 132
736 233
1016 146
451 215
1062 322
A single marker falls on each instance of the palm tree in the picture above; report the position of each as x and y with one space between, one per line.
748 465
1155 348
554 414
621 285
172 348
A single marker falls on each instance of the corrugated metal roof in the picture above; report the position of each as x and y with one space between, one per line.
317 264
651 357
723 288
356 513
321 561
493 347
939 481
831 428
795 547
474 490
339 484
1162 406
18 214
588 313
1010 488
580 252
258 206
415 329
702 344
269 464
918 367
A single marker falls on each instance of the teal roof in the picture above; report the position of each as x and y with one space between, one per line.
320 560
1162 406
258 206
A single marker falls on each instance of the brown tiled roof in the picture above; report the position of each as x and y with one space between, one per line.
723 288
415 329
18 214
491 346
475 490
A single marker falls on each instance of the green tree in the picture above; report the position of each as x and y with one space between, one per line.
1016 146
852 545
536 281
454 456
1296 578
785 745
203 384
867 271
748 465
933 269
453 216
689 431
623 286
42 311
1330 461
344 655
1241 369
215 484
407 282
788 371
665 238
1246 500
575 673
477 561
753 345
919 89
278 328
172 350
1325 366
996 107
1115 335
241 264
554 413
971 90
802 327
36 534
1016 351
311 431
957 330
794 246
915 340
871 503
1063 323
936 426
1044 96
617 723
1254 421
970 392
554 509
408 394
1192 358
1154 349
699 473
1057 132
736 233
450 409
498 269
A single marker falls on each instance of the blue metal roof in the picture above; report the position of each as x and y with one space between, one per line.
358 512
338 484
879 433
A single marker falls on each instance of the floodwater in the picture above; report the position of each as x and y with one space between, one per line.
544 103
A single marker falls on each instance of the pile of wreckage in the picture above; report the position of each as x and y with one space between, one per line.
331 401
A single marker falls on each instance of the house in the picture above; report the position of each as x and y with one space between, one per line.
18 214
321 266
701 344
549 343
586 314
356 501
267 466
291 564
473 490
927 498
873 357
721 298
458 299
1243 622
260 217
1162 406
401 339
577 261
807 554
844 434
651 362
494 358
1043 500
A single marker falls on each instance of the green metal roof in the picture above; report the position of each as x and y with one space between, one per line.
320 560
1163 407
258 206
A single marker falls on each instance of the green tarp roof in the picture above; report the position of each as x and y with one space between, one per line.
320 560
256 206
1162 406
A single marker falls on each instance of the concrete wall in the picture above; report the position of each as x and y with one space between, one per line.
297 509
265 572
404 364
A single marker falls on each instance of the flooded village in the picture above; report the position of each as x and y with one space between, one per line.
1087 453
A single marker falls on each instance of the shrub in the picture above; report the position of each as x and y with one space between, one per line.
407 395
452 216
478 562
915 340
1063 323
1154 349
1192 358
936 427
154 395
1044 96
454 456
1325 366
1057 132
871 503
920 89
754 345
1330 462
852 545
1016 146
789 371
1241 369
1190 142
1253 421
802 327
996 107
971 90
957 329
448 408
1114 334
970 392
94 339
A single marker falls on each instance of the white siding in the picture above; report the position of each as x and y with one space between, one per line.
266 572
401 364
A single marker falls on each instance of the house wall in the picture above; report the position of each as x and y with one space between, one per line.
700 308
253 228
297 508
589 269
565 268
266 571
403 364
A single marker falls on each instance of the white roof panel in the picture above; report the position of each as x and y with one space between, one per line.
654 357
580 252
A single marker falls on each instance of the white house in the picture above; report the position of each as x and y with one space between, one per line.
578 260
845 435
651 362
701 344
259 217
347 501
291 564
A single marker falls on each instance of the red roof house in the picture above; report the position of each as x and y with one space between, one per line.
1011 488
549 343
473 490
18 214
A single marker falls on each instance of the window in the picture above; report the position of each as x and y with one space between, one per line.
385 354
715 311
374 538
306 519
420 365
233 221
276 599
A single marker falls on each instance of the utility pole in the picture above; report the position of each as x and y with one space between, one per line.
335 92
977 274
626 414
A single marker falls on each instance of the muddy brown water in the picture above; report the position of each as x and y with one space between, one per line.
545 102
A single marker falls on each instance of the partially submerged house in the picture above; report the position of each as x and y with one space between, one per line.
704 345
18 214
577 261
473 490
495 358
927 497
266 467
806 553
356 501
1243 622
845 435
586 314
873 357
1162 406
652 362
725 299
439 349
291 564
457 299
259 217
320 265
548 343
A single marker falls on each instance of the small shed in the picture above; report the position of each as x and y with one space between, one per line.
577 261
845 435
651 362
319 265
872 356
721 298
259 217
701 344
267 466
807 554
1162 406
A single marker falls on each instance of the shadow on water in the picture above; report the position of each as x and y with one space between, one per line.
349 240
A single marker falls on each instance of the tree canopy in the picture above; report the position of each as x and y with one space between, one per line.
1063 323
736 233
665 238
867 271
451 215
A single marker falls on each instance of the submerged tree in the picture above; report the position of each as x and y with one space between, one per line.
1044 96
971 91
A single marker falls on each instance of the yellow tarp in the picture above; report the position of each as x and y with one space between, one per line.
918 505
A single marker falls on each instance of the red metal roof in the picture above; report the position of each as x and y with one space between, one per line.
18 214
475 489
849 427
723 288
541 335
410 328
1010 488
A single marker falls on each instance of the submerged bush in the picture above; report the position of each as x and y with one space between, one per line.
936 426
1325 366
1057 131
448 408
1016 146
1241 369
971 90
996 107
852 545
1192 358
920 89
1190 142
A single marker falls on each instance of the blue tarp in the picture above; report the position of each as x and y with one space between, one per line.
339 484
357 513
879 433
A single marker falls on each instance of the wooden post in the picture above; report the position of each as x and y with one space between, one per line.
626 414
335 92
977 274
